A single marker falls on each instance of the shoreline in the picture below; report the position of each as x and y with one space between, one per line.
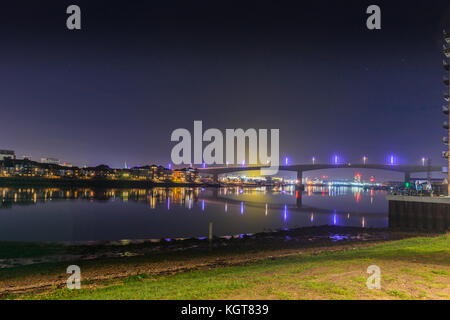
137 262
25 253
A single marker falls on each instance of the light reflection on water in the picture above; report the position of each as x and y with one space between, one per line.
37 214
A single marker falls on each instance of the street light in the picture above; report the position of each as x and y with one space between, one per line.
314 160
392 160
423 161
365 160
336 159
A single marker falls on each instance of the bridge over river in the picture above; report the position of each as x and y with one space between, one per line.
300 168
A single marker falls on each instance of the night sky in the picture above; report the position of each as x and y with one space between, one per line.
115 90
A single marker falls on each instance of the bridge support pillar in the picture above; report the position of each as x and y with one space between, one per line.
298 196
407 176
299 189
300 176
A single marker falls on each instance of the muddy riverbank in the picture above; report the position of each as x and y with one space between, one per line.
39 270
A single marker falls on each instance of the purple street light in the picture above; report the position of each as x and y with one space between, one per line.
336 159
392 160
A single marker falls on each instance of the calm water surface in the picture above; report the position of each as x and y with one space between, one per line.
33 214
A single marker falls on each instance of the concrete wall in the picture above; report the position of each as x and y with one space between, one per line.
433 215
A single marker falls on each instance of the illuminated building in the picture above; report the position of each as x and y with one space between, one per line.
51 168
186 175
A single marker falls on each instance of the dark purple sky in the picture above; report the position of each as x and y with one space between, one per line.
114 91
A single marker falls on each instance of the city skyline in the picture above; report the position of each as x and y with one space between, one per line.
334 169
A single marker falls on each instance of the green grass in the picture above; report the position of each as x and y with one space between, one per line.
411 269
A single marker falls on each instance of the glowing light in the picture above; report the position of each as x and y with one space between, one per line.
285 213
169 166
168 203
314 160
312 217
243 163
423 161
204 165
203 205
267 209
242 208
226 207
365 159
336 159
286 160
392 160
334 218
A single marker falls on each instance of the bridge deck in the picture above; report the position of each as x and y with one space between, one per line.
312 167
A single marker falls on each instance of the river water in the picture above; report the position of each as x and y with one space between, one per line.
82 215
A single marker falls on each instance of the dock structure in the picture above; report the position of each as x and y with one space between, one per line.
419 213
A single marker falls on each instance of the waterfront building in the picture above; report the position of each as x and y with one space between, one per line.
142 173
4 154
51 168
50 160
164 174
186 175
